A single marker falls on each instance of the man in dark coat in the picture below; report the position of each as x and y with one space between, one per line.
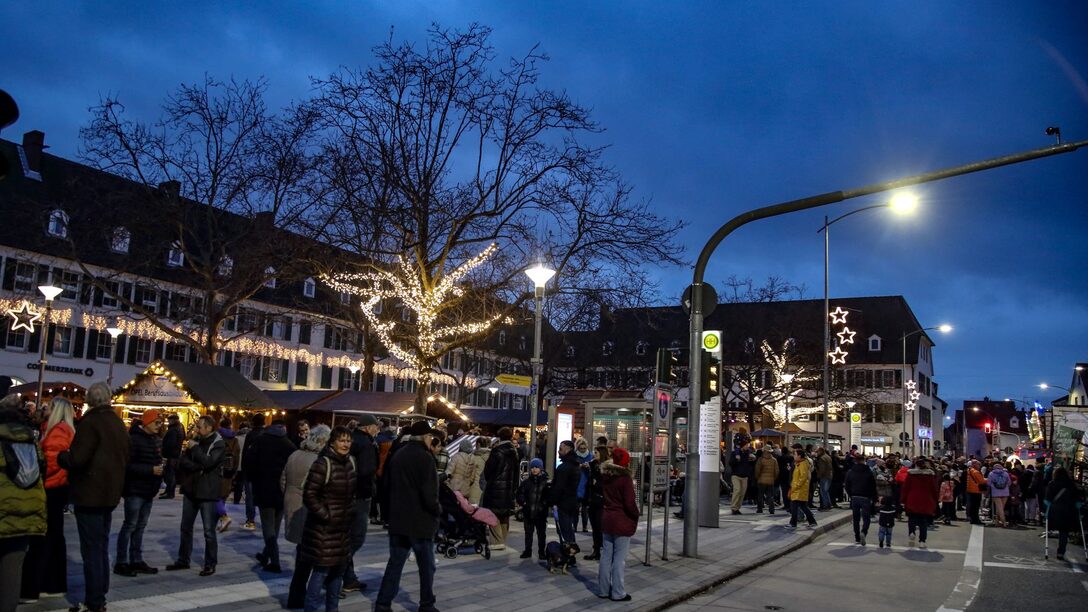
96 464
413 516
860 486
200 465
564 491
247 485
265 457
145 467
365 452
500 486
171 452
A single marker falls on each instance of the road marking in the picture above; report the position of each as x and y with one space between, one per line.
943 551
1041 568
966 589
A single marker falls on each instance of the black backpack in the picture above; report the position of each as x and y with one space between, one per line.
22 463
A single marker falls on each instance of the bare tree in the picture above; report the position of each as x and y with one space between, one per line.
454 152
737 290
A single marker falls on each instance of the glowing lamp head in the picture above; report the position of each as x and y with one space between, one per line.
787 378
113 332
540 275
493 390
851 403
945 328
904 203
354 369
50 292
1044 386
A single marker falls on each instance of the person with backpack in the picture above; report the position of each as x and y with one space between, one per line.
231 461
145 467
96 464
265 458
22 497
329 497
999 482
201 465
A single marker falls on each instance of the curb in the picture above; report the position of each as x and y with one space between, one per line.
722 579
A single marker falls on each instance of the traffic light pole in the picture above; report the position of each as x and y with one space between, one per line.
694 485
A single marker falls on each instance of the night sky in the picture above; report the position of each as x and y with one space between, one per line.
712 109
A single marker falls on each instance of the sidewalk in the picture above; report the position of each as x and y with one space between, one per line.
466 583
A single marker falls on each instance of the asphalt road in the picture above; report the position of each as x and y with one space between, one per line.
833 573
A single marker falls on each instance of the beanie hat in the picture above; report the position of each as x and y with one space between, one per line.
536 463
621 457
365 420
150 416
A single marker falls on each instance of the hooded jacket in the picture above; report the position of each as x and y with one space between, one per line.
767 469
860 482
799 483
463 469
97 460
56 440
620 514
200 467
329 496
919 491
145 453
267 455
22 511
500 479
533 497
413 491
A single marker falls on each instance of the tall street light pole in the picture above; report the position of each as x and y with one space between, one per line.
540 275
114 332
693 495
1050 410
903 203
911 405
50 292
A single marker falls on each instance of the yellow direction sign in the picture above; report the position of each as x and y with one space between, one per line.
514 379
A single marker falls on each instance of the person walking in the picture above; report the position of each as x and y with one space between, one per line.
824 472
232 460
919 499
975 483
96 464
999 482
22 505
564 491
619 521
860 487
799 489
500 482
247 486
766 475
171 452
413 515
200 464
365 451
886 520
329 497
1027 492
595 493
741 462
1063 502
265 459
292 480
532 496
785 474
142 480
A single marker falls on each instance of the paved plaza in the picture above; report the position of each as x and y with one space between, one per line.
468 582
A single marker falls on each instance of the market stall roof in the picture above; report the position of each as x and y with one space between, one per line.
768 433
509 418
347 401
209 385
64 388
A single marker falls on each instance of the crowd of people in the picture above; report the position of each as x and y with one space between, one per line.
321 487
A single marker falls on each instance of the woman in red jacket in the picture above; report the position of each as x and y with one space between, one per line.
919 499
619 519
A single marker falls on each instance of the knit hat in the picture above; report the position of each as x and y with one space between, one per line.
621 457
420 428
536 463
366 420
150 416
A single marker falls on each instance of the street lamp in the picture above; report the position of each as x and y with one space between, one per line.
493 391
787 378
540 275
910 406
114 332
354 369
901 203
50 292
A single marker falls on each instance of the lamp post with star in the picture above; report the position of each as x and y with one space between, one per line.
50 292
911 394
837 356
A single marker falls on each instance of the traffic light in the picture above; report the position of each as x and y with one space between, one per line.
988 427
710 368
666 367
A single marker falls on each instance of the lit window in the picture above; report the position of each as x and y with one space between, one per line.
270 272
62 341
175 258
309 287
874 343
119 240
103 346
58 224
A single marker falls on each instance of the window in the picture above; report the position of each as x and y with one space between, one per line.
149 299
570 352
176 351
247 365
874 343
345 299
640 347
69 283
107 296
309 287
143 350
270 272
405 314
225 267
17 340
523 343
103 348
502 338
62 341
119 240
26 277
273 370
175 257
58 224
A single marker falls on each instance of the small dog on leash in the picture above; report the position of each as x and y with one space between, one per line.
560 555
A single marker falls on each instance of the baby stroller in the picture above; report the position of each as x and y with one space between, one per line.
462 525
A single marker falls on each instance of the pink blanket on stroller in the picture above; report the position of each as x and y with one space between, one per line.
482 515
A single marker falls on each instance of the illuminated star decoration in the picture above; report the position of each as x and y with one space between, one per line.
910 406
846 336
911 384
838 355
25 317
914 395
838 316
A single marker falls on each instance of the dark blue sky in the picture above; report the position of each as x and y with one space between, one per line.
711 109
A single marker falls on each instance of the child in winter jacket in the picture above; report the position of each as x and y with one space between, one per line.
532 496
947 497
887 520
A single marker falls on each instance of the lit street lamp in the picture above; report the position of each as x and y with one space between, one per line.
787 378
902 203
354 369
909 406
114 332
493 391
50 292
540 275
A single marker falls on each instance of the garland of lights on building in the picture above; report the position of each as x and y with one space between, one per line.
404 283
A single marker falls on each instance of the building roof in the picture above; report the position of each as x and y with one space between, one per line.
1011 419
508 418
216 385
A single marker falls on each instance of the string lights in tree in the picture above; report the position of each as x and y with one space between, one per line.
405 283
776 400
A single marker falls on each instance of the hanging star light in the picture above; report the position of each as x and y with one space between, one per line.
838 316
914 395
846 336
910 406
837 356
25 317
911 384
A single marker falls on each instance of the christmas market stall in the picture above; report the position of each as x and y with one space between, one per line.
192 390
339 407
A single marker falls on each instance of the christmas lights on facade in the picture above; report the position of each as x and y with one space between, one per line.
25 317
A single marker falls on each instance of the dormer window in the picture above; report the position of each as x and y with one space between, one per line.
270 272
58 224
225 267
607 348
120 239
175 257
502 338
309 287
641 346
570 352
874 343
